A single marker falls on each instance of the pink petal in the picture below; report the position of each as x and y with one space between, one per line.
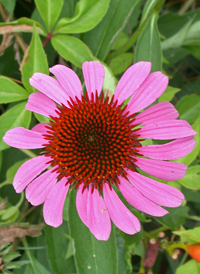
159 112
41 104
81 204
137 200
50 87
28 171
170 151
38 189
165 130
157 192
98 217
68 79
41 128
53 206
154 85
131 80
119 213
20 137
94 76
169 171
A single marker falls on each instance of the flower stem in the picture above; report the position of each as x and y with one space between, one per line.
28 152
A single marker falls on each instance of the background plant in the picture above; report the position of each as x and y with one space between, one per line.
36 35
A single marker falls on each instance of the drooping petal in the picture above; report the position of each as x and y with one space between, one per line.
50 87
20 137
38 189
68 79
166 130
119 213
170 151
81 204
157 192
169 171
41 104
93 73
158 112
41 128
131 80
154 85
53 206
98 217
29 171
137 200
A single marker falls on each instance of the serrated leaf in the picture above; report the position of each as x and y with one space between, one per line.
17 116
189 107
34 61
72 49
169 94
103 36
121 62
190 234
87 15
57 247
89 252
10 91
49 11
148 47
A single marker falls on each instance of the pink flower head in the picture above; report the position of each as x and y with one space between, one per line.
92 143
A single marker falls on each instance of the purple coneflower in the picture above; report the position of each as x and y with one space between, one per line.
94 143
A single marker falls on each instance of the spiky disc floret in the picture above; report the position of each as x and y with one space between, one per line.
92 141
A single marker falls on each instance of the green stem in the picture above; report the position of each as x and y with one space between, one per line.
21 200
5 183
185 6
28 152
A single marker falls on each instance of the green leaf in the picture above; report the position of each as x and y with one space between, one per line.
10 212
121 62
192 178
50 11
10 173
194 50
87 15
148 47
191 266
17 116
188 159
10 91
91 256
9 5
57 247
34 61
102 37
150 5
189 107
109 80
72 49
36 267
122 39
175 218
11 256
190 234
169 94
131 239
177 39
